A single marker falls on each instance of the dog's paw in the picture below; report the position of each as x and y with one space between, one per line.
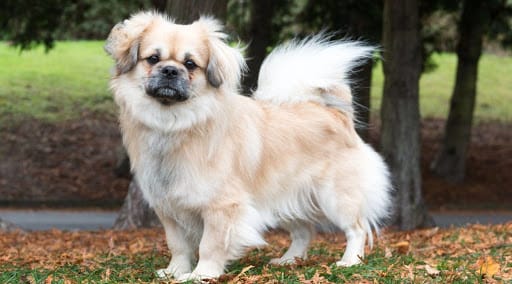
174 270
169 272
283 261
191 277
345 263
164 274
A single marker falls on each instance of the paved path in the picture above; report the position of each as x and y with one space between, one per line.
94 220
60 219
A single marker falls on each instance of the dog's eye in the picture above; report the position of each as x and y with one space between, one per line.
190 64
153 59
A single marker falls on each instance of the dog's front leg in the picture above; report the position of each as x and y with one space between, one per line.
218 244
181 247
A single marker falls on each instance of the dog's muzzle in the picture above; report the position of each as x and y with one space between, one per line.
168 86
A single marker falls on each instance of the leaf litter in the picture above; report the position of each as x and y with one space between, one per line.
420 256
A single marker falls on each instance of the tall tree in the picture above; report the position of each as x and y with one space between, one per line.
135 211
400 115
187 11
259 34
450 162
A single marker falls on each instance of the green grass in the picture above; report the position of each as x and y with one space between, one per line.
108 269
494 89
472 254
73 78
54 86
141 269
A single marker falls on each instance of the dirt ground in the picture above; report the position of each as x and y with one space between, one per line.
72 164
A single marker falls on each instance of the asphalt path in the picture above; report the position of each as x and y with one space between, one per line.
96 219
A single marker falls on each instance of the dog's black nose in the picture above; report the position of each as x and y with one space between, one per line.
170 72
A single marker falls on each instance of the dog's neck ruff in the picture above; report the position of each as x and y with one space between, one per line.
175 118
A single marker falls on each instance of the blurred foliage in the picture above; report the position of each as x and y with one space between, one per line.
440 20
93 19
31 22
350 18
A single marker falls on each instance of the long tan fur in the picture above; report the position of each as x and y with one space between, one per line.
219 168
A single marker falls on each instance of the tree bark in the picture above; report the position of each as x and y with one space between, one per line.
135 212
450 162
187 11
6 226
362 98
364 20
400 115
259 36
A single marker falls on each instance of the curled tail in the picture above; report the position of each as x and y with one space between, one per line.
315 69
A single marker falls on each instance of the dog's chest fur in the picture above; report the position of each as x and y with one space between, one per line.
165 176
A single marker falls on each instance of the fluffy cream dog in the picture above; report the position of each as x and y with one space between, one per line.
220 168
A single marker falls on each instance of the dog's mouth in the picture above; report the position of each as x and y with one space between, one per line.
167 95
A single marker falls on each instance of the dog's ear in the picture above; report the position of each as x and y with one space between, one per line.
226 64
124 40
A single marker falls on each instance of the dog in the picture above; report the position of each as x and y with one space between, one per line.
220 168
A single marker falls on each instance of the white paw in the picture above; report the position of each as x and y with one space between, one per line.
345 263
170 272
164 273
283 261
193 277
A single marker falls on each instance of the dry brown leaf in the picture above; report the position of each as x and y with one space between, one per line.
401 247
487 267
432 271
237 278
316 279
327 269
387 253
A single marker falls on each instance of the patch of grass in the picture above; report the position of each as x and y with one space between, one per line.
108 269
54 86
476 254
73 78
493 90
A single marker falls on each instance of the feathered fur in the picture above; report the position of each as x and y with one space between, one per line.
220 168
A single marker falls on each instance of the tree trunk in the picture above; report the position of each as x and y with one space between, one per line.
135 211
400 115
187 11
450 162
362 98
259 36
6 226
364 22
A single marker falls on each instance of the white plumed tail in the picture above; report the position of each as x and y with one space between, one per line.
315 69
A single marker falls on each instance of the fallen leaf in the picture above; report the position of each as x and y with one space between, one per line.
487 267
387 253
431 271
244 270
402 247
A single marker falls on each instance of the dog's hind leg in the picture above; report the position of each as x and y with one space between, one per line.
301 234
356 239
345 215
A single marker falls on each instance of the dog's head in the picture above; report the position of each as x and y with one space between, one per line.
169 63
